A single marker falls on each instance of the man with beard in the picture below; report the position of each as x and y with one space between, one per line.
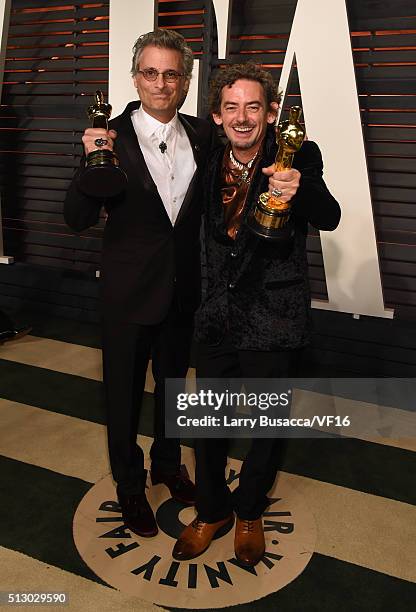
256 315
150 269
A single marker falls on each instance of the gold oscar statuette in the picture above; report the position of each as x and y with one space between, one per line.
270 216
102 176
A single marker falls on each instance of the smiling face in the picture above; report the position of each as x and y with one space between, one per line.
160 99
244 117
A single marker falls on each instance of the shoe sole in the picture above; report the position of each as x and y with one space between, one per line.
142 534
247 563
20 334
220 532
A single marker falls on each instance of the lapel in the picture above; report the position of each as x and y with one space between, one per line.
134 157
246 242
131 148
196 150
193 139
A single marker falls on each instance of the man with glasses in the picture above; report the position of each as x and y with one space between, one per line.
150 262
150 269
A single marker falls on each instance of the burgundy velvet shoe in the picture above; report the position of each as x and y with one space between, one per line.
180 486
138 515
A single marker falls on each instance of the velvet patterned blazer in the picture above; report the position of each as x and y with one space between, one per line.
257 290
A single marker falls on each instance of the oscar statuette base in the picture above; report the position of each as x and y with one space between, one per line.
274 234
105 179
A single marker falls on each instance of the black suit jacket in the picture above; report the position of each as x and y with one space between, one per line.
258 290
144 258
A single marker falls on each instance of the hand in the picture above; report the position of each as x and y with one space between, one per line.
92 134
286 181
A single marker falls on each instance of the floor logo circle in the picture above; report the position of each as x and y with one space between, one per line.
145 567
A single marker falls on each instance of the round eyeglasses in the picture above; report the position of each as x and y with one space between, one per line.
151 74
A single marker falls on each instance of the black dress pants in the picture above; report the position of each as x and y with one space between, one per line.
214 500
126 352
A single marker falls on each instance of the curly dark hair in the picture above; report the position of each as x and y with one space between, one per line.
230 74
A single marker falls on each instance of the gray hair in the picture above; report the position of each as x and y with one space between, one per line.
165 39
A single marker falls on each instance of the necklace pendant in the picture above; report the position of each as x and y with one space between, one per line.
244 168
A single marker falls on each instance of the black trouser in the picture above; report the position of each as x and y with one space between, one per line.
126 352
258 472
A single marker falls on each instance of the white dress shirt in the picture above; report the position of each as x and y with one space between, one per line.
171 171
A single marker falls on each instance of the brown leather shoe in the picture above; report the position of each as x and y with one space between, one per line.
180 486
195 539
249 542
138 515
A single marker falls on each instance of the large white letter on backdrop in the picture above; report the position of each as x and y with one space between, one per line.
130 19
223 10
320 41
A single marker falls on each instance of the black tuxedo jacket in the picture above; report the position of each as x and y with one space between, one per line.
144 259
258 290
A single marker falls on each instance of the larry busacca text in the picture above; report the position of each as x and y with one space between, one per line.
263 421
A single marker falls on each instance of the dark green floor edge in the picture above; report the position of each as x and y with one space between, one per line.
38 506
347 462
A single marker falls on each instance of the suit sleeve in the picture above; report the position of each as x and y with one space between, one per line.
313 201
81 211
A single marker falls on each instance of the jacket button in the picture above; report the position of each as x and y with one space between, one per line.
231 286
233 254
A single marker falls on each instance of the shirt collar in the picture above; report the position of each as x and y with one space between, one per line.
149 125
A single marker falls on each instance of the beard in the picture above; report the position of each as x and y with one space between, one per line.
248 144
243 145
